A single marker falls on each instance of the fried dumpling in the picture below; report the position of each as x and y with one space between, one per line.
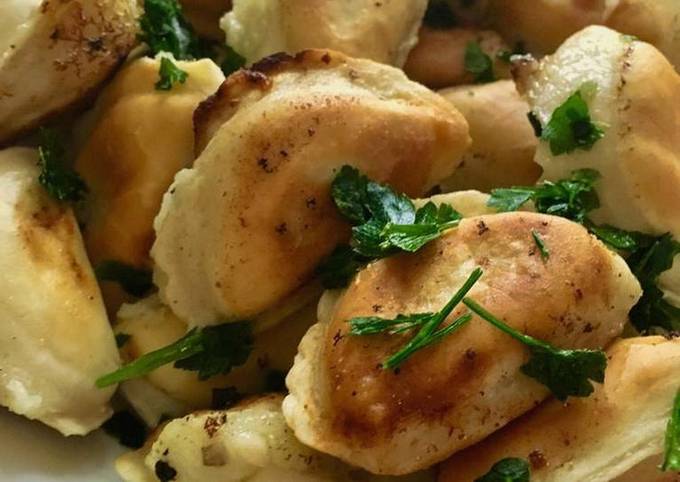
137 139
383 31
616 434
454 393
52 54
249 442
503 142
55 338
627 85
250 222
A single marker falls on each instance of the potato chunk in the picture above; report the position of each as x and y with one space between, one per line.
55 338
454 393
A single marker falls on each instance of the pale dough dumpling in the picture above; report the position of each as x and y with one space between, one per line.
639 155
383 31
54 53
616 434
152 325
503 142
249 224
248 443
458 391
55 338
138 138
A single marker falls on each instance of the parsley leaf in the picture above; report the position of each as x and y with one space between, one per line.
478 63
427 324
164 29
211 351
135 281
232 61
570 198
169 75
647 264
507 470
385 222
60 181
545 254
570 126
565 372
671 459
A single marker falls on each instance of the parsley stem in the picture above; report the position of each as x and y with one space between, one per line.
427 335
484 314
189 345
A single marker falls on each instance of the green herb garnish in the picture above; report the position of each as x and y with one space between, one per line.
60 181
507 470
570 126
210 351
671 458
169 75
232 61
135 281
647 264
427 324
385 222
565 372
540 244
478 63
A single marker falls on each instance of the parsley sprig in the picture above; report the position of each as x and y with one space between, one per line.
428 325
570 127
565 372
60 181
671 459
478 63
647 256
385 222
210 351
507 470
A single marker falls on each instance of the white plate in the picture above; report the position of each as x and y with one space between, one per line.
32 452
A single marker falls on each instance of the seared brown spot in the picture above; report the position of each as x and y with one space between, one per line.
537 460
213 424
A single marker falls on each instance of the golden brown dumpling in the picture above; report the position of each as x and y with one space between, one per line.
54 53
249 223
457 392
383 31
616 434
503 142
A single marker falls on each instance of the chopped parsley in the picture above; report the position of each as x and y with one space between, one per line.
507 470
127 428
570 126
60 181
671 459
164 29
385 222
540 244
478 63
570 198
439 15
169 75
647 264
427 324
210 351
135 281
232 61
565 372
